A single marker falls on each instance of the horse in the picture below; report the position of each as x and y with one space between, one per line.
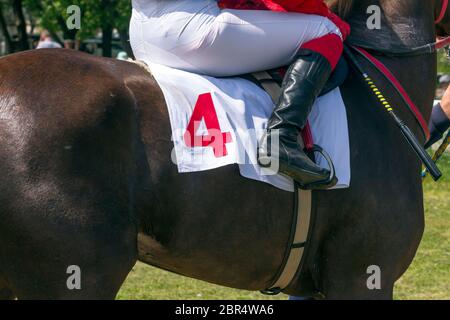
87 180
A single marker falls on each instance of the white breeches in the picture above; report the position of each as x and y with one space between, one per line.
197 36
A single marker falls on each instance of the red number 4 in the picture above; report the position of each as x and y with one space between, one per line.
205 110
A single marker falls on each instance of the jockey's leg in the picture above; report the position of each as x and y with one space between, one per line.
304 81
199 37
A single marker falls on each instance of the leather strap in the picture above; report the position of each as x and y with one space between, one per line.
302 217
303 220
269 84
443 11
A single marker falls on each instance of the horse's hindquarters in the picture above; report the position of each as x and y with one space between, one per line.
69 154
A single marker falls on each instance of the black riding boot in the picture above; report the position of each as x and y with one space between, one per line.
303 83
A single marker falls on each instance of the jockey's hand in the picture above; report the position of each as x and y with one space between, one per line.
445 103
440 119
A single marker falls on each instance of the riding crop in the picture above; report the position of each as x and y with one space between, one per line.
406 131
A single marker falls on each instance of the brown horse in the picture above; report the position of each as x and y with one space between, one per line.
87 180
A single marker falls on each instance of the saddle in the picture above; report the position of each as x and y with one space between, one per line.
271 82
271 79
238 109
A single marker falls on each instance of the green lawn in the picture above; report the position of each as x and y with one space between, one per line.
429 275
427 278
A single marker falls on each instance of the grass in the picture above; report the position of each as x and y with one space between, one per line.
427 278
429 275
443 62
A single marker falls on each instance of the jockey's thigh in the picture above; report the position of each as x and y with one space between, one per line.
201 38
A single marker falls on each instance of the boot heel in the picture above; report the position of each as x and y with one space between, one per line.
332 179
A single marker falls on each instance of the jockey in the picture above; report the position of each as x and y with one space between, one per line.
233 37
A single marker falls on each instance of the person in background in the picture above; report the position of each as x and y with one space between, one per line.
46 41
122 55
70 44
440 119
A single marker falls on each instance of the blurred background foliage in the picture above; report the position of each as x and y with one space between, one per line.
103 22
443 63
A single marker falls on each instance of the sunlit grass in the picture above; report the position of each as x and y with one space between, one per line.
429 275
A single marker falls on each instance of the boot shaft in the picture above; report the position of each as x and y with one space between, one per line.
303 83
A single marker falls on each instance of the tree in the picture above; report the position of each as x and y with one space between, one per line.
11 13
53 16
21 25
108 15
122 24
4 29
102 15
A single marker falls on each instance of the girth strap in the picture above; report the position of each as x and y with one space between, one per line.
301 222
294 259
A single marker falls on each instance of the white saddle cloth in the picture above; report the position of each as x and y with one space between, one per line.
228 117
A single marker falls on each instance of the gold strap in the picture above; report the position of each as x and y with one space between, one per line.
304 205
269 84
301 236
